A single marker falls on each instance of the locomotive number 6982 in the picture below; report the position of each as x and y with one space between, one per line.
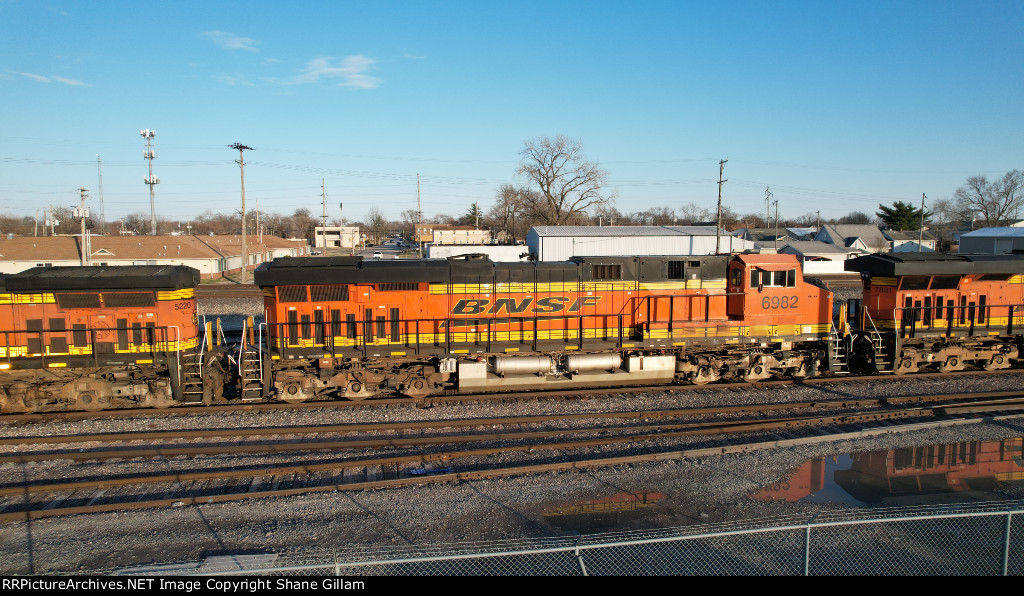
778 302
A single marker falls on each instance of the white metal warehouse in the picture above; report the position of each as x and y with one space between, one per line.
559 243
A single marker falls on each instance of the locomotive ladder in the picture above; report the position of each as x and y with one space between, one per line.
882 363
192 376
193 389
838 361
249 365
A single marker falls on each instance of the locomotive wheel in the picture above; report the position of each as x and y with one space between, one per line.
906 366
997 362
756 373
12 399
801 372
292 393
89 402
951 364
704 376
357 392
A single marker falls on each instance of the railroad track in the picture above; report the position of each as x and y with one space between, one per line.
475 450
488 397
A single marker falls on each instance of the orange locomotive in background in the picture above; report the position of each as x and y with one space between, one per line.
936 310
344 327
102 337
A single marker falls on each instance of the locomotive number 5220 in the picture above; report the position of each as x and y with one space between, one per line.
772 302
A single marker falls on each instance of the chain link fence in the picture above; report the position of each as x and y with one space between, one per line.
981 539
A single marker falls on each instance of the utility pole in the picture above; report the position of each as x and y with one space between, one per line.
241 164
323 226
103 220
82 213
51 221
718 230
767 208
819 219
341 218
776 225
419 219
920 237
151 180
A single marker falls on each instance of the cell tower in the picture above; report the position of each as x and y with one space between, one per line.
150 155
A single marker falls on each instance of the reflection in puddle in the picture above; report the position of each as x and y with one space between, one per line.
974 467
601 514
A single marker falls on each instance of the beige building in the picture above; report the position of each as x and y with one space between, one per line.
213 256
336 236
451 234
470 236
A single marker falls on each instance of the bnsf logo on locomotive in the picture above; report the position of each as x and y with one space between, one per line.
476 306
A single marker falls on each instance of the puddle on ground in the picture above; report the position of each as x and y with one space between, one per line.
933 474
601 515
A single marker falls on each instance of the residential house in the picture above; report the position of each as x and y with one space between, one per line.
865 237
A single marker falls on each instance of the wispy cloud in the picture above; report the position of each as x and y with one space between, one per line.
350 70
36 77
234 80
42 79
230 41
71 82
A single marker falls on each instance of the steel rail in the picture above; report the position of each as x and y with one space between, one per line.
32 514
737 427
483 397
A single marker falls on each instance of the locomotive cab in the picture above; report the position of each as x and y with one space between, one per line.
770 290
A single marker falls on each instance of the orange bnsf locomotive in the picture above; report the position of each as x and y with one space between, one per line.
342 327
937 311
89 338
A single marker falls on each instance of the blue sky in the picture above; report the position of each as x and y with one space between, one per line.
836 106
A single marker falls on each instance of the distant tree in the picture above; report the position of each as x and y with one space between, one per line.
854 217
568 183
472 217
661 216
902 216
949 211
377 224
996 201
608 215
301 224
807 220
513 210
137 223
692 213
752 220
410 217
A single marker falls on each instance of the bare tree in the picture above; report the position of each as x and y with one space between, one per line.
376 223
692 213
513 209
410 217
994 201
569 184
